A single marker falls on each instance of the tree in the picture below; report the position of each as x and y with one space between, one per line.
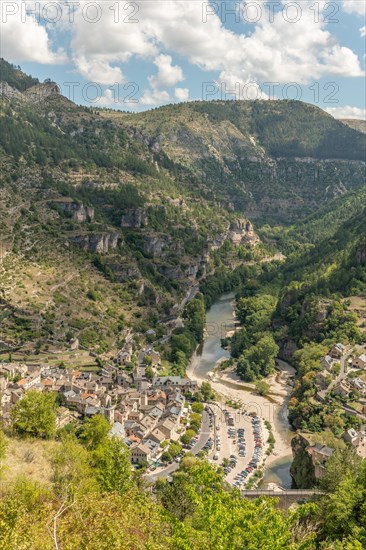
336 369
166 457
111 459
149 373
187 437
262 387
2 445
207 391
308 358
95 431
259 359
197 408
195 316
195 418
35 415
72 472
175 449
255 312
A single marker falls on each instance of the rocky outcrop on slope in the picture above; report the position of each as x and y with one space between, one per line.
242 232
99 243
77 211
134 218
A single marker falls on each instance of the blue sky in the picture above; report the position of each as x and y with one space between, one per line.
135 55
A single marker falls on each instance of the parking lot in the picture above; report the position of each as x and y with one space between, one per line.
240 439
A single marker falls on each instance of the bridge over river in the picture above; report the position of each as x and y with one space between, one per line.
286 497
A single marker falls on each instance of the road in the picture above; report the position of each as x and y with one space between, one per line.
203 437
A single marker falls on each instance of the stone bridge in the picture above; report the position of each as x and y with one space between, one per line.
286 497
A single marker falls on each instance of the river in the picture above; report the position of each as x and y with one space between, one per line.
219 321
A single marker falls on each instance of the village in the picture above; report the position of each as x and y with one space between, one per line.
145 410
153 414
342 380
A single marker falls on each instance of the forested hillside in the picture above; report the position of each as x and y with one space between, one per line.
92 501
116 225
276 161
116 193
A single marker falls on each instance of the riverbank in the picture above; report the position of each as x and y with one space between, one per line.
230 388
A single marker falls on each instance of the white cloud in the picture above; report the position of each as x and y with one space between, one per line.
155 97
182 94
168 75
347 112
23 38
276 51
98 70
355 6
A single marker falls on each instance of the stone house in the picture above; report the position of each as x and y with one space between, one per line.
337 351
342 388
323 379
319 455
139 453
360 362
327 363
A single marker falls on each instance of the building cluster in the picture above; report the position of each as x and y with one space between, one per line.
339 377
319 455
145 412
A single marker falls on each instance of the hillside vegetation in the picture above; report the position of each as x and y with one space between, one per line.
92 500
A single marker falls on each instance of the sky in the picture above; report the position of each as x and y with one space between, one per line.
137 55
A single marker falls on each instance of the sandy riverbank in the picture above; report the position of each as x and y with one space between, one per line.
229 387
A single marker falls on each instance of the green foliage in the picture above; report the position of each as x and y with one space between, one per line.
341 512
175 449
15 77
197 408
111 461
166 457
195 316
262 387
308 358
2 445
256 312
149 373
208 393
35 415
71 467
187 436
259 359
208 516
95 431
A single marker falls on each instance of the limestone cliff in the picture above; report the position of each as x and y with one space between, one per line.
100 243
134 218
302 469
77 211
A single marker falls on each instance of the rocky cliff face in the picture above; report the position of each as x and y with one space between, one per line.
242 232
124 271
361 255
99 243
134 218
39 92
287 349
9 92
35 94
77 211
302 469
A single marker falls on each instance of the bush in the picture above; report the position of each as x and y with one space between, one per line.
197 408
